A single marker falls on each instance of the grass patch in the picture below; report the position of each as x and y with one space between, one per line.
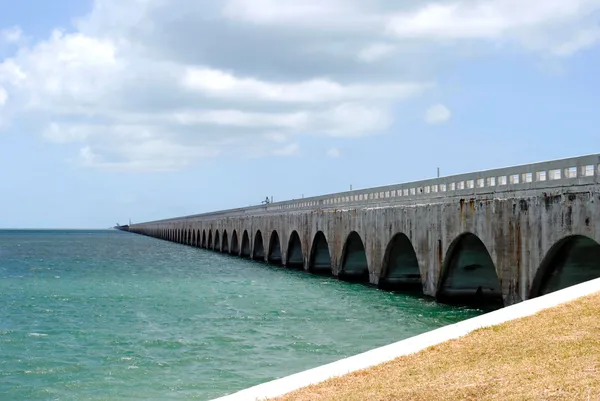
552 355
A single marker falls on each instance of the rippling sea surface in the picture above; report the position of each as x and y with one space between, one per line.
106 315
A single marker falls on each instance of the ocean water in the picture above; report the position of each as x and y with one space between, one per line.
106 315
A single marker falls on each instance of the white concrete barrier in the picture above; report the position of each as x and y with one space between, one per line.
411 345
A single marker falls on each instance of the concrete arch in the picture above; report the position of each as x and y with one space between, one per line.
194 238
355 266
469 275
258 250
400 268
235 247
217 244
189 237
203 238
274 254
245 249
572 260
225 244
320 255
295 257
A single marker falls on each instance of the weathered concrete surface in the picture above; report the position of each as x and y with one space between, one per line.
518 230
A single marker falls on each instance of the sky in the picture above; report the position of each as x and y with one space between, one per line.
113 110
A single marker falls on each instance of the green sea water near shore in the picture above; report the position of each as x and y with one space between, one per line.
105 315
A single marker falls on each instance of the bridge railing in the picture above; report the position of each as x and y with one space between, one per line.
547 175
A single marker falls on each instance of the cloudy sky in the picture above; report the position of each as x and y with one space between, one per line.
146 109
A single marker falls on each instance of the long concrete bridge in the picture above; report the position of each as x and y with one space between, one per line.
499 236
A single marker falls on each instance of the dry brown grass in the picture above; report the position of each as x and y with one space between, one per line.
553 355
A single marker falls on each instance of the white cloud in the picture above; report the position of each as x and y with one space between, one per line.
375 52
484 19
3 96
583 40
67 73
221 84
437 114
334 153
327 14
288 150
11 35
535 25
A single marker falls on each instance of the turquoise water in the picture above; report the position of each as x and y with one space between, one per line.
105 315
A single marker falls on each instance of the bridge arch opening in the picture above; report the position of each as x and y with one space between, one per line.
197 244
194 238
572 260
259 248
189 237
225 245
469 276
235 248
274 249
355 267
217 245
203 238
295 258
245 245
400 266
320 258
210 239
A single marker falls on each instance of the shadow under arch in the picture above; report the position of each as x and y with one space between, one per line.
572 260
225 244
468 275
235 248
203 244
294 256
245 253
189 237
198 239
400 266
210 239
217 244
354 266
274 255
258 251
320 258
